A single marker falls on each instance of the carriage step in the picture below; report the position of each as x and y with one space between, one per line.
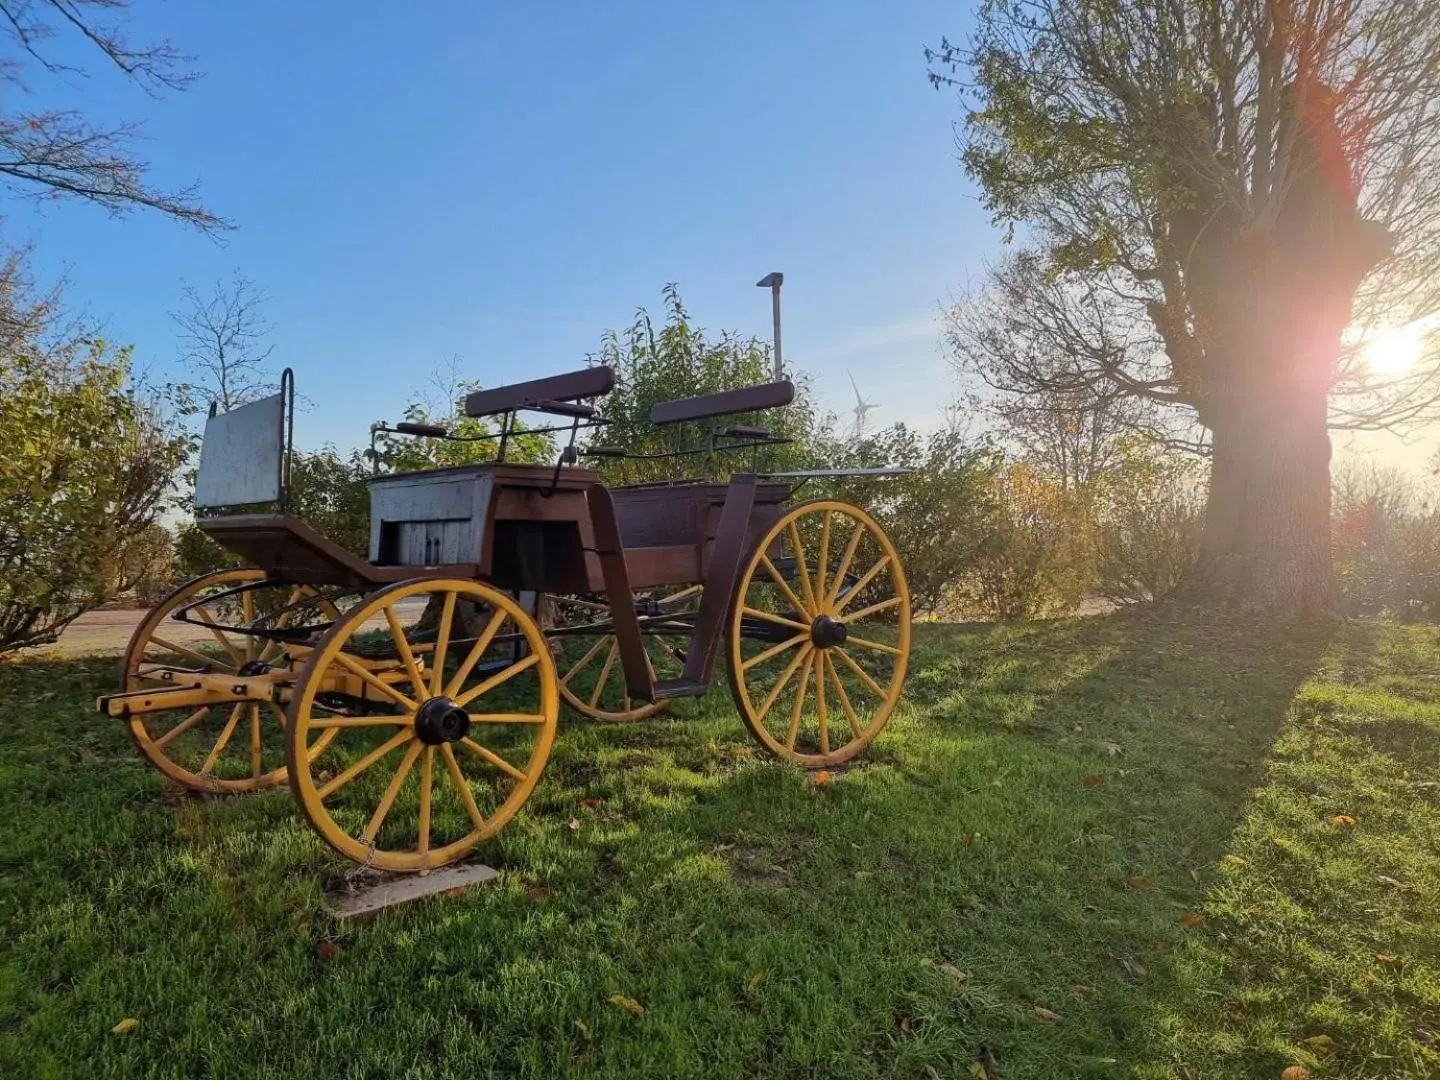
666 689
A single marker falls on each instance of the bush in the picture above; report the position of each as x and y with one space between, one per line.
1386 542
84 466
143 567
1149 519
1038 557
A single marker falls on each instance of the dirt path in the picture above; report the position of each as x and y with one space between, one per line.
107 632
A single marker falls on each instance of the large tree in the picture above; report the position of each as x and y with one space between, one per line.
1217 199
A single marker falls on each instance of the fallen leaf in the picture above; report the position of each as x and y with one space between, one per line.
989 1066
1141 883
743 751
746 815
591 801
1381 958
907 1025
1133 968
1045 1014
1393 883
863 873
124 1027
1192 920
327 950
584 1028
1114 749
954 973
1295 1072
629 1004
455 891
991 763
1235 1013
1232 860
977 1071
1084 991
1093 781
755 981
969 839
574 823
1345 821
822 778
1159 944
536 893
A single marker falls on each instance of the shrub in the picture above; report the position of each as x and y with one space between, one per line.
1385 537
1149 518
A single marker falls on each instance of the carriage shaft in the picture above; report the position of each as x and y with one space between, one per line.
190 689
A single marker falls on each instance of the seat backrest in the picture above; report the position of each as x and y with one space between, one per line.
242 457
536 394
747 399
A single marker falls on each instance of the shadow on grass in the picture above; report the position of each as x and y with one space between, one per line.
1041 814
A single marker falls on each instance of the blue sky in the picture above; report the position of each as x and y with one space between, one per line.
503 182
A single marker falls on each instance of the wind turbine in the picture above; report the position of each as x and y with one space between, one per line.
862 408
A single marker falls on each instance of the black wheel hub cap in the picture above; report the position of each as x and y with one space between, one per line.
825 632
440 720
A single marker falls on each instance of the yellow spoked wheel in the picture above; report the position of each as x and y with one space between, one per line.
819 635
442 701
592 681
220 748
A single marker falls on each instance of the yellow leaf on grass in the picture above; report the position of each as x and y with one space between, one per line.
822 778
1381 958
124 1027
1345 821
1295 1072
574 823
1321 1045
1192 920
755 981
629 1004
1141 883
1045 1014
954 973
1232 860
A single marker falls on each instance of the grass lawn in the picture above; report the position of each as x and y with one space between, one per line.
1154 847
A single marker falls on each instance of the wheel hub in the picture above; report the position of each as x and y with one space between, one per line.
825 632
440 720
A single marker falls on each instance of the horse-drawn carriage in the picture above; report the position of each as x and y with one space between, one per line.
411 699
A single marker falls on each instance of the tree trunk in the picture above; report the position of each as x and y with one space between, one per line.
1266 546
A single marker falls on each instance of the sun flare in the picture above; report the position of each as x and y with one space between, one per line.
1395 351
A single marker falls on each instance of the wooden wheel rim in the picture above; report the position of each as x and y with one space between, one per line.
303 781
808 608
153 746
606 652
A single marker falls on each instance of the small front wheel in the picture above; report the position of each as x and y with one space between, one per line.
445 701
819 634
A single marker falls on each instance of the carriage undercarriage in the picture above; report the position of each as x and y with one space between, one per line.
411 705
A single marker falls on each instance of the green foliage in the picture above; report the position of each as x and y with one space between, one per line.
408 453
143 566
84 466
1386 540
1149 518
677 360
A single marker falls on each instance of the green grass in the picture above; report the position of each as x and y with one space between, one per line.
1047 808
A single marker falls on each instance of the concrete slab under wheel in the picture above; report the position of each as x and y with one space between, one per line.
367 898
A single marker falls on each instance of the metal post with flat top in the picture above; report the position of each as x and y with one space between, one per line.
773 281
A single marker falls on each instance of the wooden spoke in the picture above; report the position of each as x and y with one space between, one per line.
214 628
407 657
462 786
820 564
605 672
427 768
778 620
364 763
230 725
506 718
478 650
864 675
801 570
866 643
774 651
683 594
392 790
442 643
783 681
590 605
362 721
874 609
799 704
821 715
181 650
856 536
795 601
365 675
247 609
183 726
594 649
493 758
254 740
496 679
859 585
844 699
669 649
